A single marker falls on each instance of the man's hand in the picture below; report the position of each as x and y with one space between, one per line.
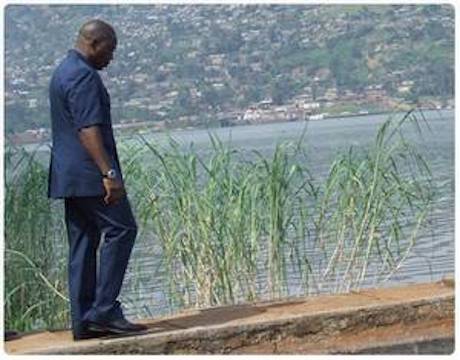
114 190
91 140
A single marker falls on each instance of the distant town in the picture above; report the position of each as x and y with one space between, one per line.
193 66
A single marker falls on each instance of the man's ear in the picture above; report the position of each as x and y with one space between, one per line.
94 43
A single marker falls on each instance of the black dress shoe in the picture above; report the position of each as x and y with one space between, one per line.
87 334
11 335
116 327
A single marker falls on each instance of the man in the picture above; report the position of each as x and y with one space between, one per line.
85 172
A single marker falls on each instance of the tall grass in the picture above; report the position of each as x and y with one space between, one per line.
235 225
228 217
207 218
367 198
35 248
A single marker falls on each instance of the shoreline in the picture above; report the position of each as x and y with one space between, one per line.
414 318
122 133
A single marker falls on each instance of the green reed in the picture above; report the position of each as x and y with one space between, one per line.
232 224
206 217
367 196
35 248
225 217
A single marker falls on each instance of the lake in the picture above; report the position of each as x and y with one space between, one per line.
432 258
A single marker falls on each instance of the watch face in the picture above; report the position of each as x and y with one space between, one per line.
111 174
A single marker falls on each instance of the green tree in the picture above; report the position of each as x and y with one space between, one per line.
347 63
281 90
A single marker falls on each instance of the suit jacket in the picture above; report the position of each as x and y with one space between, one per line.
78 99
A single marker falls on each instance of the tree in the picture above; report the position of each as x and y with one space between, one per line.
348 65
281 90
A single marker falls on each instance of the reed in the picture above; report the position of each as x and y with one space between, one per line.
231 225
35 248
368 197
236 220
205 215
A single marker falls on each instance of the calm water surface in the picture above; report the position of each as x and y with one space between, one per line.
145 291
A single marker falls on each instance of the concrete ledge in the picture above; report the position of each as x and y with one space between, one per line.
382 320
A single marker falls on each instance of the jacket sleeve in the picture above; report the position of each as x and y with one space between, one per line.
85 101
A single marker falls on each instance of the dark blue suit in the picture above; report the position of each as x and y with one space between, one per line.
79 99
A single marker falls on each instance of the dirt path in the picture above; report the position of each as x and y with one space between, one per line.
323 324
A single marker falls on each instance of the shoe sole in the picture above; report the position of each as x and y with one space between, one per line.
108 331
89 336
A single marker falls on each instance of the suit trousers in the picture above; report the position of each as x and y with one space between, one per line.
101 238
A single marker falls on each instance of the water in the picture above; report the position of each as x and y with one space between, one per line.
144 292
431 259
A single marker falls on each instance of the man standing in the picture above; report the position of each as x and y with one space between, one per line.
85 172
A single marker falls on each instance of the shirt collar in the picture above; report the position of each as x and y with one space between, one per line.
79 54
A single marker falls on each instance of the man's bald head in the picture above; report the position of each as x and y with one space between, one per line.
96 30
97 41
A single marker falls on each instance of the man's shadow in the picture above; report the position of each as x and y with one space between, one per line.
215 316
205 317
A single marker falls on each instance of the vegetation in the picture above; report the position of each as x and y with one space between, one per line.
229 220
35 247
265 51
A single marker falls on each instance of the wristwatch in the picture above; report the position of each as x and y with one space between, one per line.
111 174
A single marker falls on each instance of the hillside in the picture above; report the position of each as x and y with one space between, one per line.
194 65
